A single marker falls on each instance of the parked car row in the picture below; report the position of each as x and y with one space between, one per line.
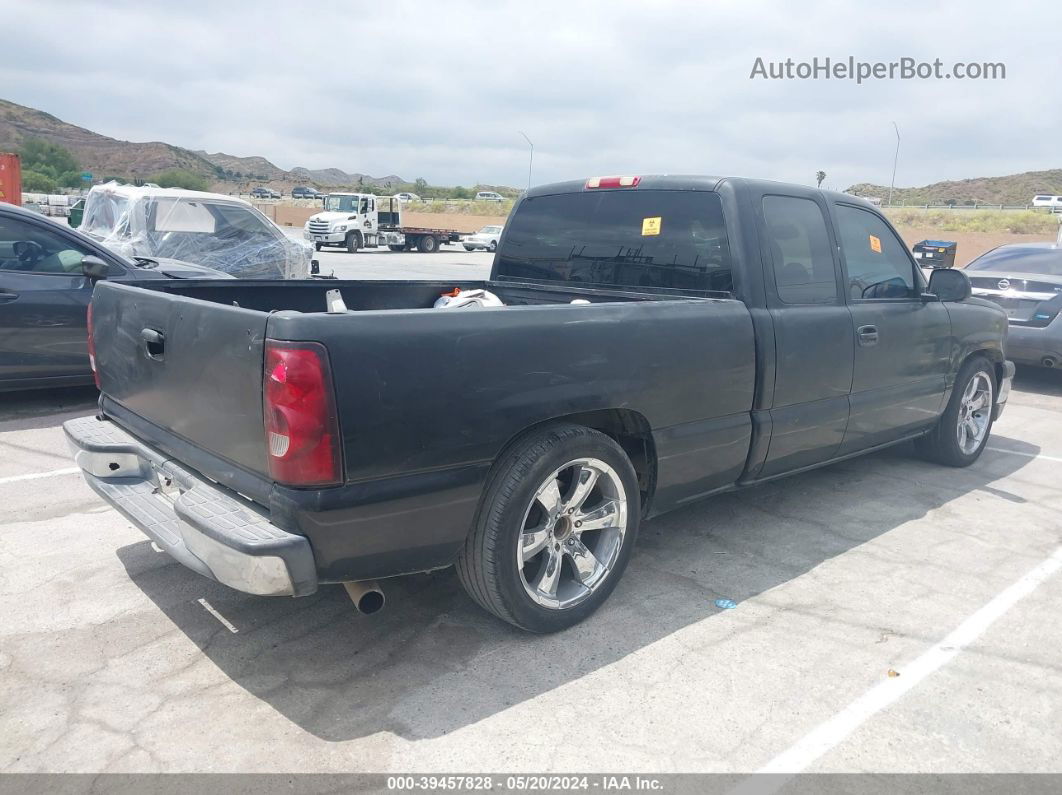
262 192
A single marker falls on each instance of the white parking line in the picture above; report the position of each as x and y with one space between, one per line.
37 475
830 734
210 609
1024 455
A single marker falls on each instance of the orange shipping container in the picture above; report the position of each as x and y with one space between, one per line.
10 179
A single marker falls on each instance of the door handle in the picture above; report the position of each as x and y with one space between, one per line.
868 335
8 295
154 343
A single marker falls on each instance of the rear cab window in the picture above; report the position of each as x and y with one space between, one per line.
641 239
800 251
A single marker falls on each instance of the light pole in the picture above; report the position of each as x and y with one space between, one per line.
895 158
531 159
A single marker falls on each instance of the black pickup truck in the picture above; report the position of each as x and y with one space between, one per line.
662 339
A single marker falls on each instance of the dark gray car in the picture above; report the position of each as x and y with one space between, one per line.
1026 280
44 295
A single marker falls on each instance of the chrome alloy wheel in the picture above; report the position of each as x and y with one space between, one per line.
975 410
572 533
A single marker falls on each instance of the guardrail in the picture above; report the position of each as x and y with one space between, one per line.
969 207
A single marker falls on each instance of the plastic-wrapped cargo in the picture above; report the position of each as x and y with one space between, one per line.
221 232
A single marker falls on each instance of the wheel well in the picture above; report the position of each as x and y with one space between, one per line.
993 357
629 429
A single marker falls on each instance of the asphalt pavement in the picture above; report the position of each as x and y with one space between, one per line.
891 616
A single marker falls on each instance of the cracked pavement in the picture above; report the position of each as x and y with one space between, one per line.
109 662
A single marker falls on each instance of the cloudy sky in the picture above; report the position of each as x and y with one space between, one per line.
440 89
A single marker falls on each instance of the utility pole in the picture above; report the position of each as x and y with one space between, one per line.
531 159
895 159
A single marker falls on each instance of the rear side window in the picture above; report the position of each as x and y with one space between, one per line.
800 251
876 260
674 240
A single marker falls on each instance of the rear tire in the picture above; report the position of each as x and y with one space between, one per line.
961 433
531 557
427 244
353 242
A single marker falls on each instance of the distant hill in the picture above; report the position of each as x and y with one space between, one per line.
1011 189
110 157
97 153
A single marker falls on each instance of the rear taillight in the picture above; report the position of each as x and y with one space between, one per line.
613 182
92 346
301 427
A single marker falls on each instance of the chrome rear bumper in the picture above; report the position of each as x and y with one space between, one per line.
206 527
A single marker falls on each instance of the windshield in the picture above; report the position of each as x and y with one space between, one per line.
490 230
635 238
341 204
1019 259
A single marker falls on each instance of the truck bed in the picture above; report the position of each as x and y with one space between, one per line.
426 398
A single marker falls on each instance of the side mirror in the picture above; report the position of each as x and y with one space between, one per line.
94 268
950 285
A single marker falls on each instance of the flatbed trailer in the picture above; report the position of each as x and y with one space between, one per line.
359 220
408 238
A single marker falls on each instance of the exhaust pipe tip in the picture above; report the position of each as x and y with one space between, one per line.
367 596
1048 361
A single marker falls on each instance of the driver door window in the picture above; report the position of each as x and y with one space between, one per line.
876 261
35 249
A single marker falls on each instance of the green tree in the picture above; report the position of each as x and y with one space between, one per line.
70 179
36 182
420 186
819 177
47 158
180 178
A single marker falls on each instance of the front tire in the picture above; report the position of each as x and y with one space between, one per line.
493 246
353 242
397 248
555 530
317 246
961 433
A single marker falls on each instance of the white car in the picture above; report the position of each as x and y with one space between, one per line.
407 197
486 238
1054 202
489 196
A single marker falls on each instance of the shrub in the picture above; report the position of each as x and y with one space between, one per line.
180 178
36 182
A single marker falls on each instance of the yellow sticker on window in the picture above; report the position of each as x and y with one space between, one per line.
651 226
875 244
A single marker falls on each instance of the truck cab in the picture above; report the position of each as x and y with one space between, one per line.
348 219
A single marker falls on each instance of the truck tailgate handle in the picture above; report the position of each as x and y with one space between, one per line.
154 343
868 335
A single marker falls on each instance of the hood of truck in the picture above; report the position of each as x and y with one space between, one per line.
331 217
